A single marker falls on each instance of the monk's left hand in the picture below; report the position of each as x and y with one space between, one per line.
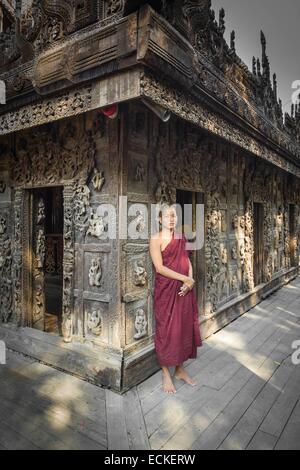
184 289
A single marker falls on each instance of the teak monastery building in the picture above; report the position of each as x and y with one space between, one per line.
143 99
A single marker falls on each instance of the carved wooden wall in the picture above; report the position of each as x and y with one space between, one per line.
181 156
6 236
139 156
81 155
136 263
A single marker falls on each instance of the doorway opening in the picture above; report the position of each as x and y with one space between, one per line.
47 259
197 257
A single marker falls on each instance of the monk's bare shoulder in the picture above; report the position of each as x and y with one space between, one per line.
155 239
156 236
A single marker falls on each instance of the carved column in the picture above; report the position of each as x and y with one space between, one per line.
17 264
5 270
68 264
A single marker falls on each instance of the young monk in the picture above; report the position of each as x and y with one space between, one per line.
177 333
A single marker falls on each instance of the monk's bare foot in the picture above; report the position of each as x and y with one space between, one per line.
168 385
182 374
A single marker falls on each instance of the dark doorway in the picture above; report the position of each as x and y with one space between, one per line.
47 257
258 261
197 256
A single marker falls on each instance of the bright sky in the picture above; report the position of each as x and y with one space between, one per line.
280 21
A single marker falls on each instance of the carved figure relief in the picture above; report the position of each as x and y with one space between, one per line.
140 273
97 225
68 264
140 324
98 180
5 276
163 193
2 225
139 172
94 322
139 222
81 204
95 273
38 262
42 158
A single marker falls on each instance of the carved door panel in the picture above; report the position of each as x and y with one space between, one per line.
38 261
198 258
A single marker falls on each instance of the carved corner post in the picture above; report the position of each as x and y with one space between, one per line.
268 241
68 264
17 263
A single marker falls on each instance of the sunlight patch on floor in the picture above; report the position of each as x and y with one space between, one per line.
59 417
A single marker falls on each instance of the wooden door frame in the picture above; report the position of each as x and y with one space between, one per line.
23 236
198 256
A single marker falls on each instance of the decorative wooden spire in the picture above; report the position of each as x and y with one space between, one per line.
254 71
232 40
275 85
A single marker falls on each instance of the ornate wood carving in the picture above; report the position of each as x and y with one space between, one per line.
72 103
6 260
193 161
198 58
68 263
94 323
39 24
43 158
39 252
188 108
211 65
140 324
18 258
95 273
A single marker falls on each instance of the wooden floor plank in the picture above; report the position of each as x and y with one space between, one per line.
135 423
117 437
247 395
214 435
262 441
192 430
250 422
65 410
161 413
13 440
289 439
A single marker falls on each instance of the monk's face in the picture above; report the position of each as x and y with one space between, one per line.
169 218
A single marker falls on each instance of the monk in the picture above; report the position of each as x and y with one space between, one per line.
177 333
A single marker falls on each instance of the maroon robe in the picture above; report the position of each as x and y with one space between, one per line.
177 332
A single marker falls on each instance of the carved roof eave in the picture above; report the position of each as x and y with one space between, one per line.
159 48
162 48
139 82
89 53
205 116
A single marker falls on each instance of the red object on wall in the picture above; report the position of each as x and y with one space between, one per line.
110 111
